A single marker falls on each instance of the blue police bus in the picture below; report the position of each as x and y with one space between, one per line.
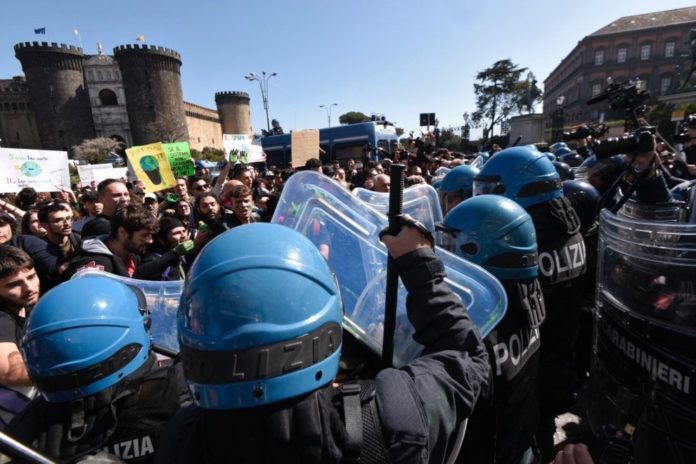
373 139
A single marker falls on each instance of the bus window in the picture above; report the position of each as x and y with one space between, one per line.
347 150
275 156
384 145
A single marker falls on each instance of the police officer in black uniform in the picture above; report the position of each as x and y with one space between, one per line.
529 178
497 233
261 375
88 352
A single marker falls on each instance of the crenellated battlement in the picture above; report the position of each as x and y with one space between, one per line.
29 47
149 49
232 93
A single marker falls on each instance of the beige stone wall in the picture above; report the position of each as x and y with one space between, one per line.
203 127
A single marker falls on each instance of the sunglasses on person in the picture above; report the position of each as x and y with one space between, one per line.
201 186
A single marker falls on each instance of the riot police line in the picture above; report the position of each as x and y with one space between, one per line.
262 379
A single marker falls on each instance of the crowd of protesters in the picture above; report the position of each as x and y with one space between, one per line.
116 227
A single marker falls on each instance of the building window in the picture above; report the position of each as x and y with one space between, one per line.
621 55
669 49
14 106
599 57
61 134
22 106
7 106
644 52
100 76
107 97
89 75
665 84
17 136
108 75
596 89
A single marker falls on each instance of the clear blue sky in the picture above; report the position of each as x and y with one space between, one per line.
400 58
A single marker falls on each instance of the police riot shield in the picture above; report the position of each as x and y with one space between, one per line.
421 202
645 333
346 230
162 300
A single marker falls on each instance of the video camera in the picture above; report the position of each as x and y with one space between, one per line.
586 130
626 95
639 141
631 98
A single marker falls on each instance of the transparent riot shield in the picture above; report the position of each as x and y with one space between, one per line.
644 371
421 202
346 230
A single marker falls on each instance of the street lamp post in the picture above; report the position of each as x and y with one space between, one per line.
558 119
263 83
328 111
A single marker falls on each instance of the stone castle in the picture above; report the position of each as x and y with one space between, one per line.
134 96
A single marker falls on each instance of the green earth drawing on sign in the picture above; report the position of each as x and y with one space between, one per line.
31 168
151 167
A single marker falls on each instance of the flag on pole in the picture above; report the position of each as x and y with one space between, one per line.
41 30
140 38
76 32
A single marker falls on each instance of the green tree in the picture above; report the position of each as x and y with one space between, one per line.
353 117
96 149
660 116
498 90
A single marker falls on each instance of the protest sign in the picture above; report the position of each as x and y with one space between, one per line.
305 145
86 171
95 173
42 170
240 148
151 165
179 155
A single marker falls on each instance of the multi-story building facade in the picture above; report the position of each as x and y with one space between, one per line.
651 47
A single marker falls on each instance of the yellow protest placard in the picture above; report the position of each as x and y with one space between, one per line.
151 165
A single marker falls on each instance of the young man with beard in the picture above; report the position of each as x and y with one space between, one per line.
167 258
19 291
132 228
110 193
62 243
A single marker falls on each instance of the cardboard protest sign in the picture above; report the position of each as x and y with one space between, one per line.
305 145
240 148
151 165
43 170
179 155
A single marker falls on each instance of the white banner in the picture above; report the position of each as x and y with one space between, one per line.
246 150
43 170
86 171
92 174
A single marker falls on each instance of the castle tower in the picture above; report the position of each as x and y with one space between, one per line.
235 115
154 99
56 84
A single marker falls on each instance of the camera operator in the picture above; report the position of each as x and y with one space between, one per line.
647 171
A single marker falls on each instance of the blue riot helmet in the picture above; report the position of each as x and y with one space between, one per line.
602 172
495 233
480 160
259 319
561 151
563 170
585 200
84 336
557 146
549 155
572 159
457 185
521 174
